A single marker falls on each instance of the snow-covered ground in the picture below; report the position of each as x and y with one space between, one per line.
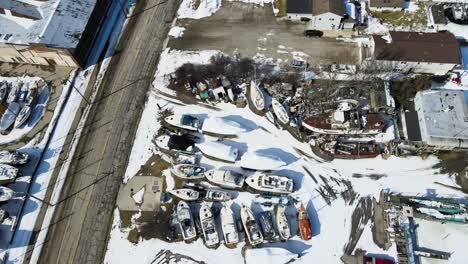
331 223
207 7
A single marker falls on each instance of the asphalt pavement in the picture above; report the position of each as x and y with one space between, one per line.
83 219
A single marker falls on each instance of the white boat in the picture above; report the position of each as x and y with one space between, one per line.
185 194
6 194
228 225
9 117
251 227
208 225
23 116
14 91
185 121
8 173
280 112
217 195
256 96
260 161
282 222
4 87
270 183
219 126
13 157
226 178
188 171
219 151
186 224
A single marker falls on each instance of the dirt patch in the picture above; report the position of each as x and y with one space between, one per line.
413 20
454 163
154 166
157 225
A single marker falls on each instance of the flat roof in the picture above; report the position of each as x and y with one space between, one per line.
440 47
442 114
60 24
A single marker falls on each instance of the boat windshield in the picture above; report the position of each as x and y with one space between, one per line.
188 120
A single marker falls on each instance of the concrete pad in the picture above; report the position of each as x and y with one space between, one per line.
151 196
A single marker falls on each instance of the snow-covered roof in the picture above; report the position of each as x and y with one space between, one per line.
57 23
443 117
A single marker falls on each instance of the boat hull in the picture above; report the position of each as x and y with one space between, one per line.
304 224
228 226
188 171
282 223
185 194
254 182
280 112
257 97
251 227
208 225
186 223
226 179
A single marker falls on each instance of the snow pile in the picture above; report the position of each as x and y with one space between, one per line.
269 255
176 32
138 196
205 9
375 27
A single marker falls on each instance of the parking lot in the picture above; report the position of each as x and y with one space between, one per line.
249 29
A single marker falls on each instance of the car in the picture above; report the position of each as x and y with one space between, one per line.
305 19
313 33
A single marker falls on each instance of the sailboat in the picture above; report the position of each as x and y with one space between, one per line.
304 223
280 112
282 222
256 96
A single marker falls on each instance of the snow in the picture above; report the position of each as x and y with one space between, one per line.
271 148
459 31
205 9
375 27
411 7
269 255
176 32
448 237
61 25
138 196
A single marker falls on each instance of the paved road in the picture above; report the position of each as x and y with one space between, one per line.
83 219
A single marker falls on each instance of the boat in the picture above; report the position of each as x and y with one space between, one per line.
268 183
267 223
185 121
219 151
282 222
261 160
280 112
14 91
251 227
228 226
208 225
217 195
185 194
352 150
221 127
226 178
13 157
23 116
4 87
6 194
9 117
256 96
345 120
304 223
186 223
188 171
8 173
176 142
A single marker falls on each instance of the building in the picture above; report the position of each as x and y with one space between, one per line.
386 5
322 14
442 119
50 32
433 53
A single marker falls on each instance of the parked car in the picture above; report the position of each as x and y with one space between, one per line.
305 19
313 33
299 64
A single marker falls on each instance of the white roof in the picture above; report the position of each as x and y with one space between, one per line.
443 114
61 25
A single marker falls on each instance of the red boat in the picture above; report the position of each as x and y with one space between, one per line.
304 224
